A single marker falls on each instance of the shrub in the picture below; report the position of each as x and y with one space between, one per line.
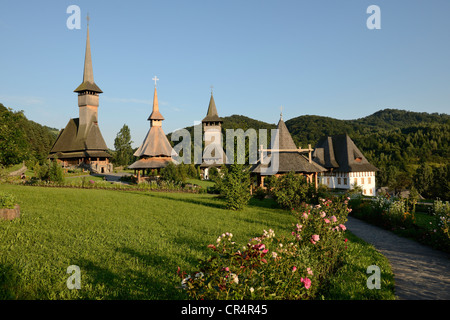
321 227
260 193
235 187
171 173
214 174
49 171
291 190
264 268
55 172
441 210
7 201
192 171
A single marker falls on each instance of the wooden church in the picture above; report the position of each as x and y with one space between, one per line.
155 152
80 144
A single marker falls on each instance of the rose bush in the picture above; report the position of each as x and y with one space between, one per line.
270 267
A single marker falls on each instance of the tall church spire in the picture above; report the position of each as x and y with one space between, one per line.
212 115
156 115
88 83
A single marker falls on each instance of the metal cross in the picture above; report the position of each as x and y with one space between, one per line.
212 87
87 18
281 112
155 79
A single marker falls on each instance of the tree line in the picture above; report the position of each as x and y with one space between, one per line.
22 139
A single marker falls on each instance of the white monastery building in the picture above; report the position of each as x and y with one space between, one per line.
345 164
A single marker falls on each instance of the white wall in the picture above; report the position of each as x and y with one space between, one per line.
345 180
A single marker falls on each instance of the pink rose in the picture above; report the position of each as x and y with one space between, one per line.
326 220
306 282
315 238
333 218
294 269
342 227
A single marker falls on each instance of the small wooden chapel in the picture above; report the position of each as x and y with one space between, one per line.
155 151
288 158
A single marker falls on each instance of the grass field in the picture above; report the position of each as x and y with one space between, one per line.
128 244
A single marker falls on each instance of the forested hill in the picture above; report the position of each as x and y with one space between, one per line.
22 139
309 128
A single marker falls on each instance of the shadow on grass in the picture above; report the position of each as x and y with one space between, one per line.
211 201
8 282
218 203
129 284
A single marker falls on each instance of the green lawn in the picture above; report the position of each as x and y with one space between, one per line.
128 244
202 183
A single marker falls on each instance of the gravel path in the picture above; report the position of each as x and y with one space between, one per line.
420 272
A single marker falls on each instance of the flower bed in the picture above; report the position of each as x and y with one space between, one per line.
399 216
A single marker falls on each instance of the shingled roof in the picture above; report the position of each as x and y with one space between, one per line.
88 83
289 158
155 144
340 154
76 140
155 115
151 163
212 115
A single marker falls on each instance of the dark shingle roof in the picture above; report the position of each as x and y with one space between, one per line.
288 161
80 154
212 115
340 153
88 83
88 86
74 138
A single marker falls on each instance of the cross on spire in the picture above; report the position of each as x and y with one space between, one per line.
87 18
212 87
155 78
281 112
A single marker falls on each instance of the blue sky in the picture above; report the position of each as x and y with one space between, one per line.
312 57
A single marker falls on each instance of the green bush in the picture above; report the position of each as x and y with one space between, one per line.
260 193
55 172
172 173
235 186
214 174
7 201
441 210
192 171
322 225
291 190
49 171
